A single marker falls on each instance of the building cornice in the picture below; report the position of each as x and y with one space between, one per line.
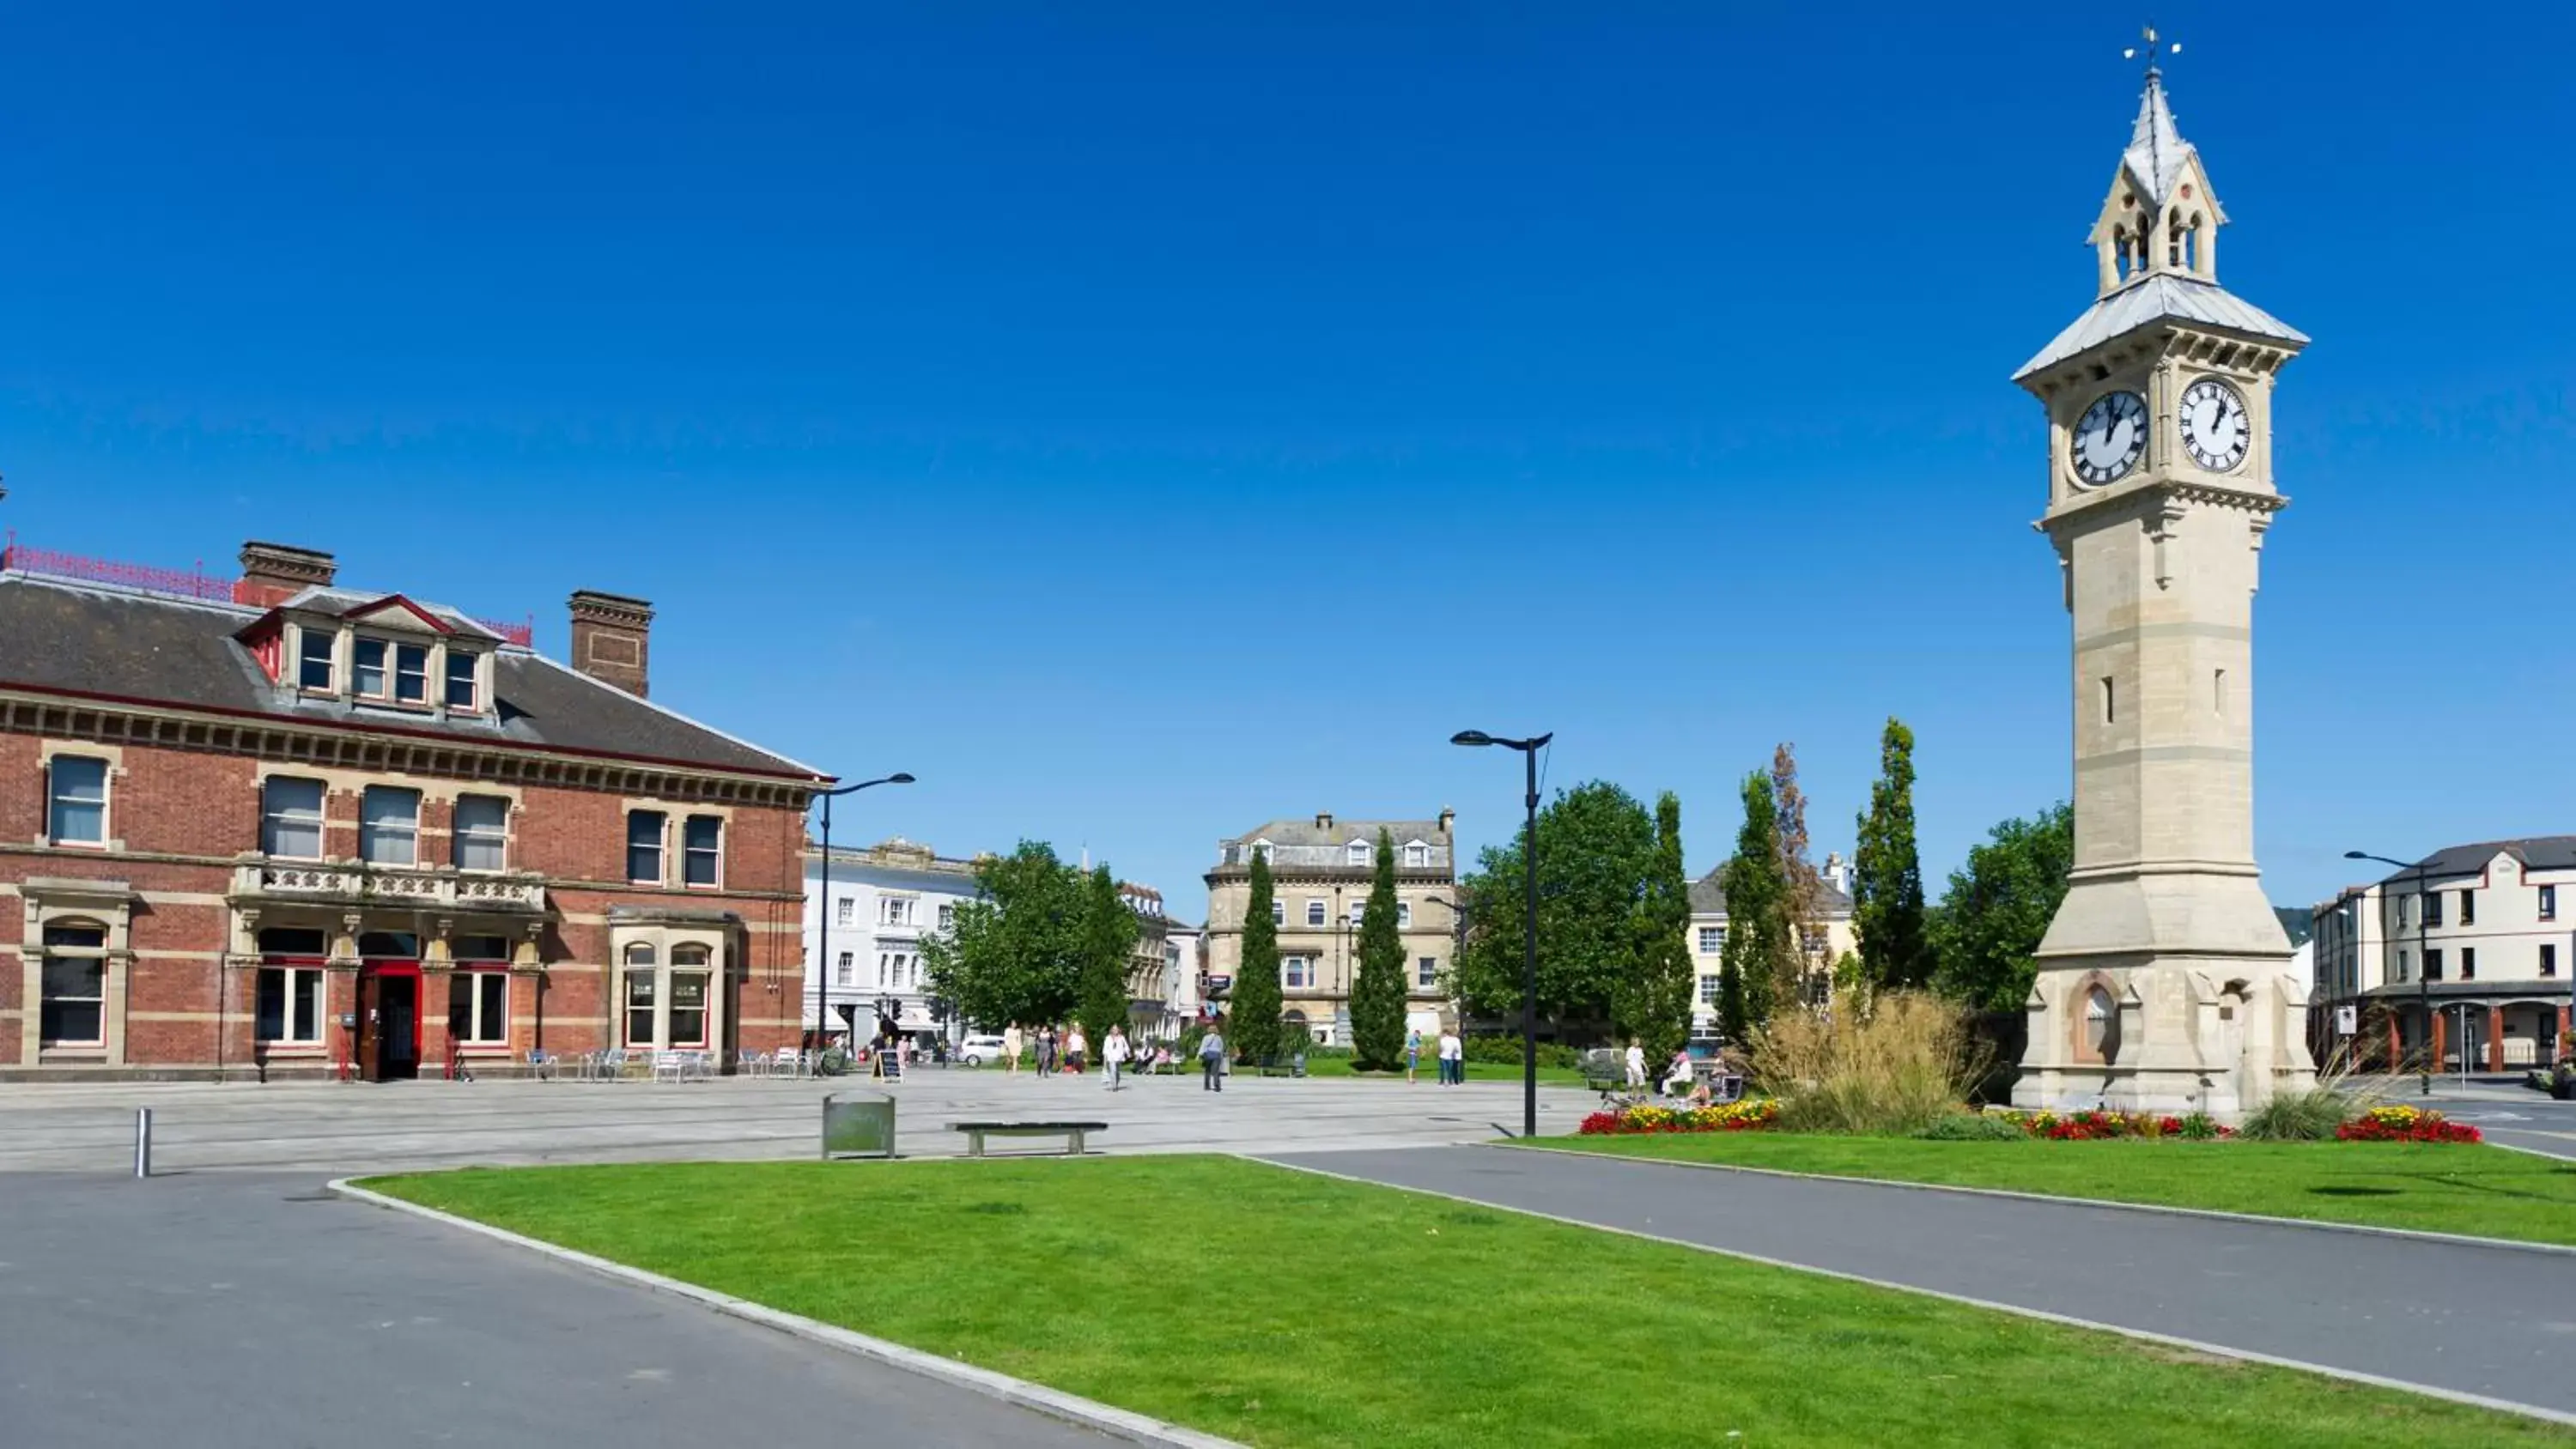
207 729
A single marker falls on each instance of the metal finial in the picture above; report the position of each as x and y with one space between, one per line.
2149 49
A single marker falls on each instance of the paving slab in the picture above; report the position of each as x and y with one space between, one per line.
2490 1323
252 1309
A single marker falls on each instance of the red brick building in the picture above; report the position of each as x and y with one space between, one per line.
271 825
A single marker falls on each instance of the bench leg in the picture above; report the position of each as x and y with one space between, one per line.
1077 1144
974 1144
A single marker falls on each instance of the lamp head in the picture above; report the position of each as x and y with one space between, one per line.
898 778
2356 855
1471 737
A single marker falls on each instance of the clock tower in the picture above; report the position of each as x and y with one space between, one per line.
2164 980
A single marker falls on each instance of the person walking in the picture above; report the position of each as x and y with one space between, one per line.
1412 1053
1075 1049
1011 1044
1453 1063
1113 1055
1046 1051
1636 1066
1212 1061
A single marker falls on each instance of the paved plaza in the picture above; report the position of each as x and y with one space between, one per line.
332 1128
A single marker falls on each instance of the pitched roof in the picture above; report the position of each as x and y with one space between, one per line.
2157 297
1342 832
101 640
2536 852
1708 896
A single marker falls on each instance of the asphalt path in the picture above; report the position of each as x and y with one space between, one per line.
2496 1323
223 1310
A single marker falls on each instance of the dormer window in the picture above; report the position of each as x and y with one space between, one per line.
1417 854
1357 852
462 691
313 663
1260 848
371 668
411 674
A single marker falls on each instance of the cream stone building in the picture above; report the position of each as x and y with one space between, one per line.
2165 981
1321 871
1824 940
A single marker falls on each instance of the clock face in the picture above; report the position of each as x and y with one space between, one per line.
2110 437
2214 427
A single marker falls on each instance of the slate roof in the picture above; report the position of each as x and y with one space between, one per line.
1708 896
93 639
2157 297
1343 832
2157 152
2536 852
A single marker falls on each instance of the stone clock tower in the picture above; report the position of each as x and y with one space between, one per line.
2164 981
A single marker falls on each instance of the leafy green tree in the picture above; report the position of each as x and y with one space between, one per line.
1109 930
1654 999
1987 932
1377 996
1596 853
1017 951
1761 948
1252 1015
1887 874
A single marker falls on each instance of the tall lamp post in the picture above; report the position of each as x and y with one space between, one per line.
1529 749
823 929
2423 979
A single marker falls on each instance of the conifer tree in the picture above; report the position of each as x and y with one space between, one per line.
1759 953
1377 996
1252 1017
1887 874
1655 1006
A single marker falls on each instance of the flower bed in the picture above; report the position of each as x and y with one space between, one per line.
2406 1124
2095 1126
1748 1116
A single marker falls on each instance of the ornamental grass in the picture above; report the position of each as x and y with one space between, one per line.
1892 1063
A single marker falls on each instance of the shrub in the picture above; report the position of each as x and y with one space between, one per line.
1507 1049
2312 1115
2401 1123
1897 1063
1972 1127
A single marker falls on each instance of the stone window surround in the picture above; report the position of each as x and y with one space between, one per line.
2121 1026
352 785
344 661
46 749
47 900
722 967
674 814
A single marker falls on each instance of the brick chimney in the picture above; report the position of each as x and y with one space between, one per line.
611 638
273 573
1448 819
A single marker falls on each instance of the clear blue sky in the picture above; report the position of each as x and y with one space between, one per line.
1143 422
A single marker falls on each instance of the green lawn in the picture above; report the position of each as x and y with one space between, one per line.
2483 1191
1280 1308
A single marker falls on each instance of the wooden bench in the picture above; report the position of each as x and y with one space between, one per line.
1073 1132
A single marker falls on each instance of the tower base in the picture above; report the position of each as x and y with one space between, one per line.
2165 1034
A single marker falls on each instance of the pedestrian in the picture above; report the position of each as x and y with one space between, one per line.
1678 1074
1636 1066
1075 1049
1453 1059
1113 1055
1212 1061
1011 1045
1046 1051
1412 1052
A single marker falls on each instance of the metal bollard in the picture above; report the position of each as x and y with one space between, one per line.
142 1142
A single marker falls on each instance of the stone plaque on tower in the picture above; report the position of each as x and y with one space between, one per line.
2164 981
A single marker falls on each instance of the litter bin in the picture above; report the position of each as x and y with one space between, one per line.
858 1124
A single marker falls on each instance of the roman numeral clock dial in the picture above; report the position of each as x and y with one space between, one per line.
2110 438
2214 429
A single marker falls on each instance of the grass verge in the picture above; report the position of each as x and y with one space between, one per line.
2481 1191
1283 1309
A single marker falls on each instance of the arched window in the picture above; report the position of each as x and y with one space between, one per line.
74 1008
2101 1024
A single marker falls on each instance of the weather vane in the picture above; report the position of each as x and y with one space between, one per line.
2149 49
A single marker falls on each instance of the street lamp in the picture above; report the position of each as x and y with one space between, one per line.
2423 979
1529 749
823 930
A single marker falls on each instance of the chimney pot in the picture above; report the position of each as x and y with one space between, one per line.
1448 818
273 573
1323 820
612 638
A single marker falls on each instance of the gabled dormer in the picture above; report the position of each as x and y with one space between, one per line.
2161 216
382 651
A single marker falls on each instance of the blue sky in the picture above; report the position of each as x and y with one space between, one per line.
1141 422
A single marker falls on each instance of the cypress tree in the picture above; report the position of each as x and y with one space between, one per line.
1252 1020
1887 874
1377 997
1759 952
1656 1009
